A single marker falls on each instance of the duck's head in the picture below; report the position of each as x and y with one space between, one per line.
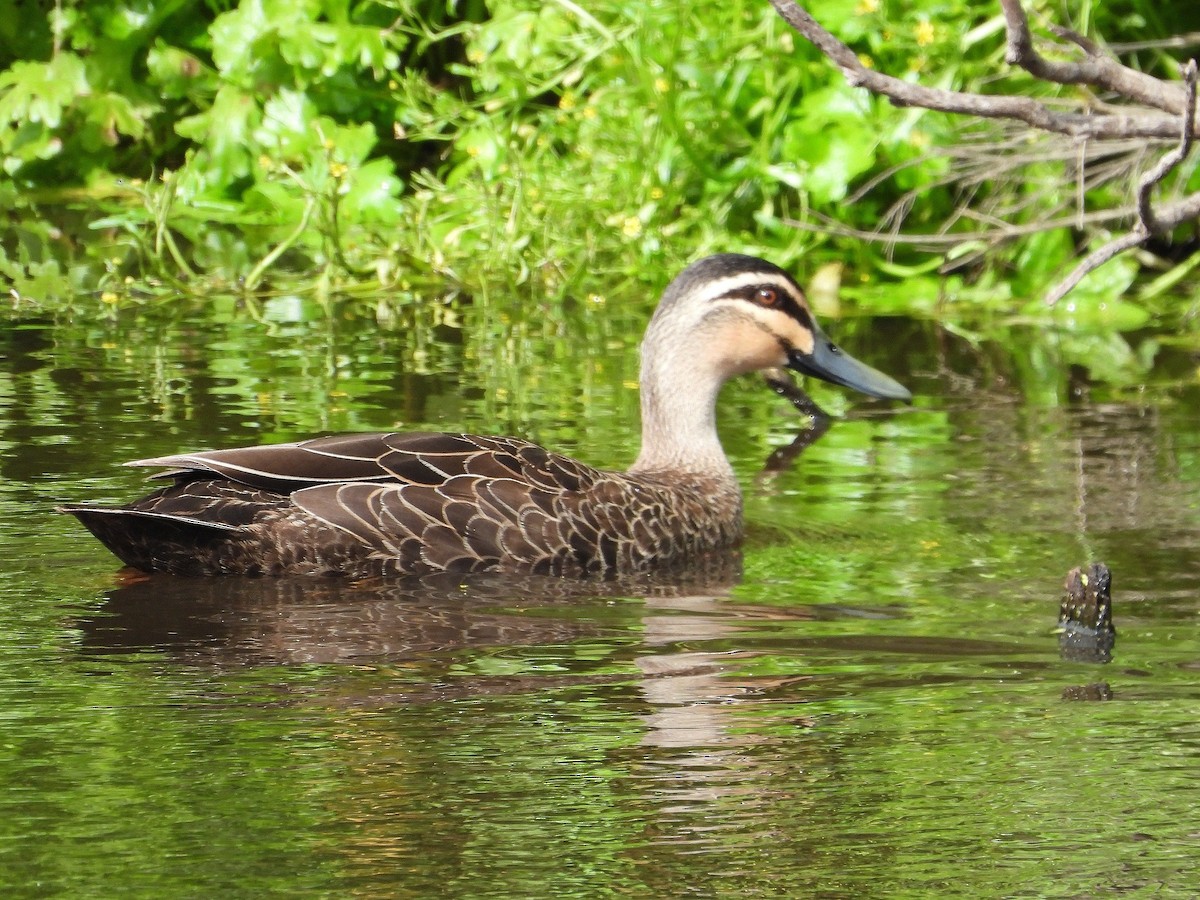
748 315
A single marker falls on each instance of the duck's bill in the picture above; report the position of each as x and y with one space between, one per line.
829 363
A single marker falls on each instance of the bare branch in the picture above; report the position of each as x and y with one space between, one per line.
1087 45
1095 260
1139 123
1149 221
1170 160
1119 104
1095 70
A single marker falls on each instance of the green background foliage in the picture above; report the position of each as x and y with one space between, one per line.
159 147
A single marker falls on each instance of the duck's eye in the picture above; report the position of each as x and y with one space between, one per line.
767 296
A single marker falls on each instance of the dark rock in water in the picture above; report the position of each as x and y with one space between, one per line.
1085 621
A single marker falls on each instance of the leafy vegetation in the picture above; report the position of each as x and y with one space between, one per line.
397 147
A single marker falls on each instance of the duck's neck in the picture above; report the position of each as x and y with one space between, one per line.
679 428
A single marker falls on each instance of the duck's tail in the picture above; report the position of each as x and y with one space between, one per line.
152 541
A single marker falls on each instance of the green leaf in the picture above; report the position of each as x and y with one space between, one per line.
371 194
111 115
832 133
1084 311
844 151
483 150
288 131
41 92
350 143
177 73
225 131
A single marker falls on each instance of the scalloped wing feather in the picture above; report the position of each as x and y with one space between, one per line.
470 522
424 458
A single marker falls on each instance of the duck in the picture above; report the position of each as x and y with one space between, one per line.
414 503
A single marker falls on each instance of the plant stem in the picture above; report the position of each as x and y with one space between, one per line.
267 261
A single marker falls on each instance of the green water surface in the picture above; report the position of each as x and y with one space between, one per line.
872 703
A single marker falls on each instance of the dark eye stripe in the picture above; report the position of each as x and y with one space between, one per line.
785 301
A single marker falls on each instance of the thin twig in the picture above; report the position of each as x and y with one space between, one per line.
953 239
1173 158
1088 46
784 384
1095 260
1149 222
1179 41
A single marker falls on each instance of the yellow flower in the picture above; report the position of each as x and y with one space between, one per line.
632 227
337 169
866 6
661 85
924 34
567 101
866 61
108 297
656 193
475 56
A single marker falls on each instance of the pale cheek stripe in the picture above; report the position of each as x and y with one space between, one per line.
777 324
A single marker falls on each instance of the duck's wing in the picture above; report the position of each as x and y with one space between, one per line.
412 458
469 522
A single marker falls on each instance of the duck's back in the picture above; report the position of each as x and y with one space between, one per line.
411 503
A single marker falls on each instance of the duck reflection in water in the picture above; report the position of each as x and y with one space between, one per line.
378 621
646 632
667 651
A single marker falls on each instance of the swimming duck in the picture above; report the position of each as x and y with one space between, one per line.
382 504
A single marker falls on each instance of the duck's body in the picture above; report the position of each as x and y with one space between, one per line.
384 504
415 503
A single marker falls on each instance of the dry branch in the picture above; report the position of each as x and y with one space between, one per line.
1137 106
1096 70
1149 221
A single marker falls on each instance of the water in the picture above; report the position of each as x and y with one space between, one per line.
870 703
